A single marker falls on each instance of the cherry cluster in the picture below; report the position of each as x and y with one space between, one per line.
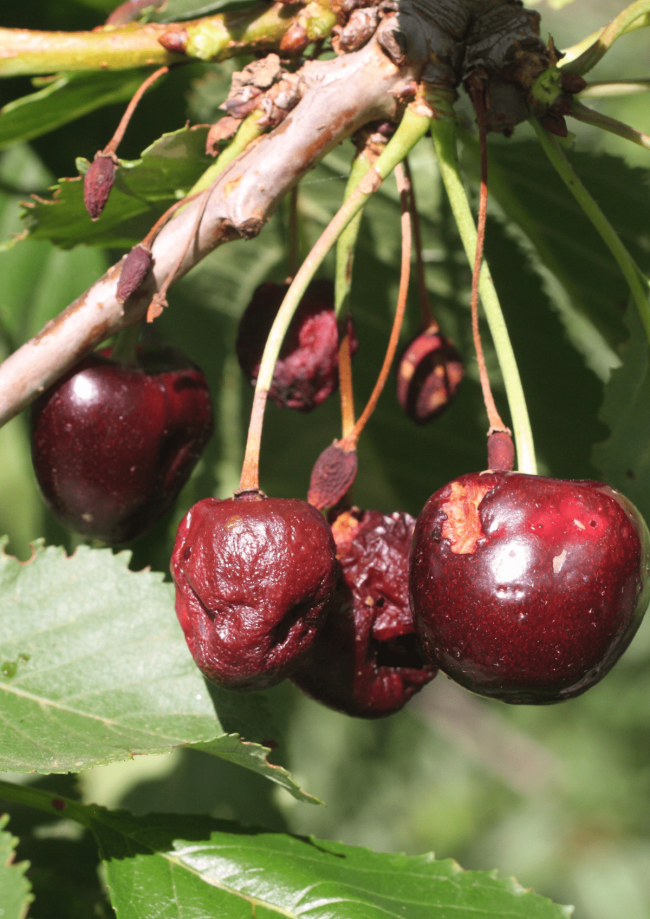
521 588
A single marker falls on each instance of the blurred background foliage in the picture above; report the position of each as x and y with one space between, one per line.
557 796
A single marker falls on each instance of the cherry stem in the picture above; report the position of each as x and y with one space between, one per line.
428 322
605 89
635 16
349 442
345 248
293 261
124 350
114 142
248 131
638 283
496 424
589 116
412 128
44 801
443 131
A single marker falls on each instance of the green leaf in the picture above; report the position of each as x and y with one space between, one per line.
143 190
166 865
624 457
69 97
176 10
14 887
94 668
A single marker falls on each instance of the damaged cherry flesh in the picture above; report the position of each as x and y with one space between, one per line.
306 372
113 444
367 660
254 578
428 375
525 588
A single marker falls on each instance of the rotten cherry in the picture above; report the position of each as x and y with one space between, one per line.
525 588
254 579
428 375
306 372
367 659
113 444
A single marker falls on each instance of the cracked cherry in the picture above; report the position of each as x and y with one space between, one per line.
113 444
367 660
525 588
306 372
428 375
254 579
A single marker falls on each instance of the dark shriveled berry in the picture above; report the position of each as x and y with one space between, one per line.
254 579
306 372
367 660
525 588
428 375
112 445
98 182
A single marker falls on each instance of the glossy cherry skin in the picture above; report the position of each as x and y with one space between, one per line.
113 444
528 589
367 660
307 371
254 580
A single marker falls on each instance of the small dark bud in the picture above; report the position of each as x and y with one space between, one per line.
501 451
428 375
332 476
572 82
554 124
98 182
294 40
174 41
134 270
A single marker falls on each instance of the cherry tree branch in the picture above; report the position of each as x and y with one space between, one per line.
215 38
338 97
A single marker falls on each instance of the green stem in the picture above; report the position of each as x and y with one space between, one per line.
638 283
598 120
215 38
124 351
605 89
248 131
635 16
443 131
42 800
411 129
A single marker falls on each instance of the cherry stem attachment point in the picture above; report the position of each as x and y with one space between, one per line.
638 283
443 131
248 131
412 128
427 320
349 442
124 350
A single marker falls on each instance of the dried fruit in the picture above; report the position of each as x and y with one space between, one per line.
113 444
367 660
307 369
254 578
428 375
98 182
525 588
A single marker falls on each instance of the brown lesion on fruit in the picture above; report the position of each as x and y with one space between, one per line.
463 524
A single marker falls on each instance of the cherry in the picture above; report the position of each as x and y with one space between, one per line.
113 444
525 588
254 578
428 375
306 372
367 660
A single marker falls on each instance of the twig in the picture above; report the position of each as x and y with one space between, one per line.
598 120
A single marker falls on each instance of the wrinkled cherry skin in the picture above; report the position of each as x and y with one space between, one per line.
112 445
367 661
307 370
528 589
254 579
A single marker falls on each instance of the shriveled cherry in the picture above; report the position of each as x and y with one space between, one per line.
306 372
525 588
428 375
367 660
254 579
113 444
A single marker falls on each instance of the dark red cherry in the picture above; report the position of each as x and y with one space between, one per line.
367 660
306 372
113 444
528 589
428 375
254 578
